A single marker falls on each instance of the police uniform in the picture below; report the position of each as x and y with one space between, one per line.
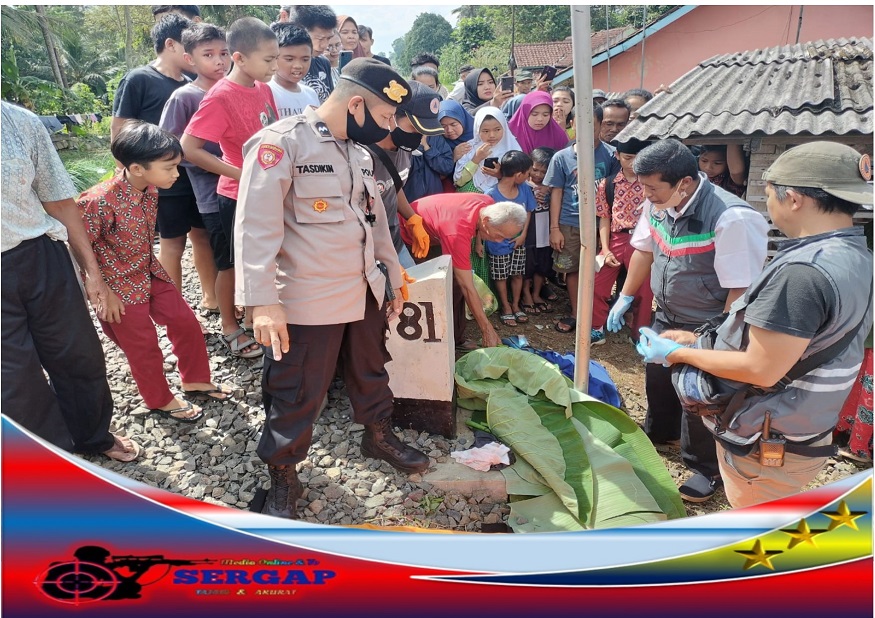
317 257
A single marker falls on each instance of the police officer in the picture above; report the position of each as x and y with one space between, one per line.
315 272
393 162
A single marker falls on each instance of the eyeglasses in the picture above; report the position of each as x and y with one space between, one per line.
334 47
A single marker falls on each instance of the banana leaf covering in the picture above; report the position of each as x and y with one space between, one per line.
581 464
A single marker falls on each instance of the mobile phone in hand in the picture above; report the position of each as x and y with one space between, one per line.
490 162
345 57
506 83
548 73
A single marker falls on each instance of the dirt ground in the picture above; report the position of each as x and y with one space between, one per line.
624 365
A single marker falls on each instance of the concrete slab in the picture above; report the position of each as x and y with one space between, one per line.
457 478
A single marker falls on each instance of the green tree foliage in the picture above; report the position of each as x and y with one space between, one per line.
430 33
472 32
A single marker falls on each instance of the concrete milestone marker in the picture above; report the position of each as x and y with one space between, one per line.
421 343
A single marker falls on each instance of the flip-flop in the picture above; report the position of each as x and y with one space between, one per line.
118 452
467 346
508 319
169 413
544 307
211 394
552 296
521 317
533 309
571 323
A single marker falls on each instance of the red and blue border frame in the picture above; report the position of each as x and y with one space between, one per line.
809 555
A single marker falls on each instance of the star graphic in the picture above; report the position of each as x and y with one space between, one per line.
758 556
802 534
843 517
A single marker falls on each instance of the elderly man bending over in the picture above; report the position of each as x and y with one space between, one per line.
455 219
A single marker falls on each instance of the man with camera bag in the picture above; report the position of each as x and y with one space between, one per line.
792 345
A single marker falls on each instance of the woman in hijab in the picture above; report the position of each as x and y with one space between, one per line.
458 127
349 36
533 125
492 139
481 90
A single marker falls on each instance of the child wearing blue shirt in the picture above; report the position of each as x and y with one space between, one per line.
507 260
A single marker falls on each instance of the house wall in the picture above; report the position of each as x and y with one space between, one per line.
711 30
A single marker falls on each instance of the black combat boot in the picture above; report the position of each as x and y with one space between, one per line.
285 489
380 442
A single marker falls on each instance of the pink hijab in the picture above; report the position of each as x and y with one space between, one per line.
551 136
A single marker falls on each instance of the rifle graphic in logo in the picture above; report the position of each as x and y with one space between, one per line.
96 575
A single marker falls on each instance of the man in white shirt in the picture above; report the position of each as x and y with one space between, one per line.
701 247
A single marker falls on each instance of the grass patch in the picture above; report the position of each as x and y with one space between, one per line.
86 169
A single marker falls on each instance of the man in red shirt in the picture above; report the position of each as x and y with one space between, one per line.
454 219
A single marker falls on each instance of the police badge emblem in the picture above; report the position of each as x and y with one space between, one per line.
269 155
320 205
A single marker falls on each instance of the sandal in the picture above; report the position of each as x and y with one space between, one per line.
119 452
521 317
508 319
237 348
552 296
169 414
208 311
222 392
544 307
570 323
467 346
533 309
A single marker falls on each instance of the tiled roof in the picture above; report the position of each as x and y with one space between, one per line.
806 89
559 53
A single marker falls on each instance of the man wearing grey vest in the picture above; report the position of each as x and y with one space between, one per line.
701 247
815 296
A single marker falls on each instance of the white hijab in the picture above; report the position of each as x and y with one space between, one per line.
508 142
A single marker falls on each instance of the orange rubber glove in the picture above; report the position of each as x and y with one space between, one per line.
421 240
405 278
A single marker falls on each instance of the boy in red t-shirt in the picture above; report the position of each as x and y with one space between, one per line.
236 108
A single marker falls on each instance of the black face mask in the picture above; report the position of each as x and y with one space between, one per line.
370 133
406 141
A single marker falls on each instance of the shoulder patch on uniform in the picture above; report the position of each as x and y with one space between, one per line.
323 129
269 155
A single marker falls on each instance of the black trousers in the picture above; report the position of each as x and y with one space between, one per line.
294 386
46 326
666 419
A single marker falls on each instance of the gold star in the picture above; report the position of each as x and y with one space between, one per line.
758 556
802 534
844 517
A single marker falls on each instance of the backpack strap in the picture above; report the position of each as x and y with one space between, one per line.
609 193
380 154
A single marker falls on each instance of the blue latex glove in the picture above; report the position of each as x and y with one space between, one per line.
615 317
654 348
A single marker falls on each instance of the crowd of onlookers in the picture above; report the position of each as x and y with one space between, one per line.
179 131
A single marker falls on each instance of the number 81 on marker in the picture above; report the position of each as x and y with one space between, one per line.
410 322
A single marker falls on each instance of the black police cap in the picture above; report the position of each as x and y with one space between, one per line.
379 78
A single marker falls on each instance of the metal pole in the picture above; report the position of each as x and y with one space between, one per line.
643 38
608 44
581 42
799 29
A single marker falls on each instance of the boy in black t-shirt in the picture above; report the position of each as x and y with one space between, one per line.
320 22
141 95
